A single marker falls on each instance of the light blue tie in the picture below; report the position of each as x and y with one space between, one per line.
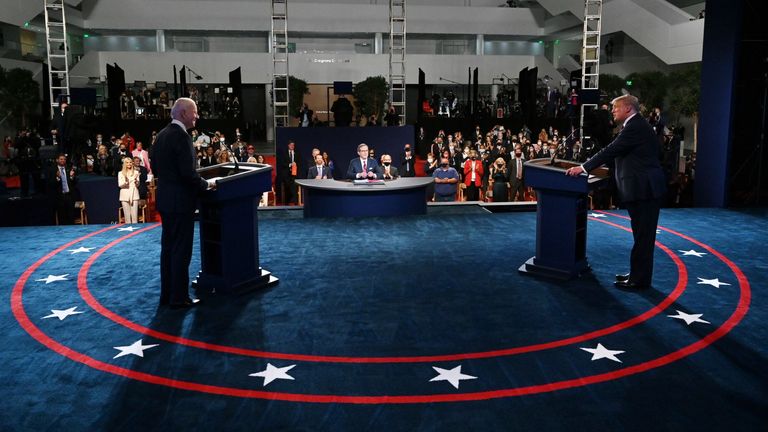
64 184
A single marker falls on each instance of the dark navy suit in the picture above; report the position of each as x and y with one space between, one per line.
312 173
356 166
641 184
178 187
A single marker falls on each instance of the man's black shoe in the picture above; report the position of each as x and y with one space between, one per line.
629 285
185 305
622 277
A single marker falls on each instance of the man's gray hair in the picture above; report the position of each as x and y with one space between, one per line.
361 145
181 105
628 99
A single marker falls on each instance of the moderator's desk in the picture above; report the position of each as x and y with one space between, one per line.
332 198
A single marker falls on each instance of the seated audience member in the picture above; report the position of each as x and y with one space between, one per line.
446 179
128 180
260 159
362 167
329 163
318 170
250 154
386 170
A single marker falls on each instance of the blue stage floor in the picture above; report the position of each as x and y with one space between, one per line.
417 323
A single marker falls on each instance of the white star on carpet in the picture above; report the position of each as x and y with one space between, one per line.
135 348
272 373
80 249
601 352
597 215
453 376
61 314
689 318
130 229
53 278
714 282
692 252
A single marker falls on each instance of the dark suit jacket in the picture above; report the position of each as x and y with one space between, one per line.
393 173
636 154
173 163
283 160
312 173
512 165
355 167
54 184
409 167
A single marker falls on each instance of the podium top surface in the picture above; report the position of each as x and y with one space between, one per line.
560 166
227 172
348 186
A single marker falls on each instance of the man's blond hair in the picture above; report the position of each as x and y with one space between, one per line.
629 100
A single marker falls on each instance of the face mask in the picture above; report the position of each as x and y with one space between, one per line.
221 139
473 157
499 165
407 149
518 154
444 165
430 160
387 164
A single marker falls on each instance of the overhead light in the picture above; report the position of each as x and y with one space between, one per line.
26 24
86 35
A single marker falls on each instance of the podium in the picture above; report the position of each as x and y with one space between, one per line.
229 229
561 217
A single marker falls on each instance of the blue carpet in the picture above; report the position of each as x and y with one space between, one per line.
418 323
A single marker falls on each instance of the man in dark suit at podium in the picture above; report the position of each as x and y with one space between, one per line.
363 167
641 184
178 186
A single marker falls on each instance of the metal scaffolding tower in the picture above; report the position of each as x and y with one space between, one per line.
58 52
590 55
397 57
281 114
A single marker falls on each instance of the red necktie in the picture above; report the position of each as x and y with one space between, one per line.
365 164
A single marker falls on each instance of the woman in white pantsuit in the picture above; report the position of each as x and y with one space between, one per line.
128 181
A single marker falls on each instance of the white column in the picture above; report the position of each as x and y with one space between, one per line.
160 40
378 43
480 44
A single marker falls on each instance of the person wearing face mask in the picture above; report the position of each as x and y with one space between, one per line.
516 175
386 170
120 153
498 181
407 167
446 179
473 175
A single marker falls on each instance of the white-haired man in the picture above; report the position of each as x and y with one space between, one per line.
178 186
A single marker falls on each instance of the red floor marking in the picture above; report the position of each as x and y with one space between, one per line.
743 306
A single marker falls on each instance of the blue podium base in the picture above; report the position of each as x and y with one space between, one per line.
530 267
